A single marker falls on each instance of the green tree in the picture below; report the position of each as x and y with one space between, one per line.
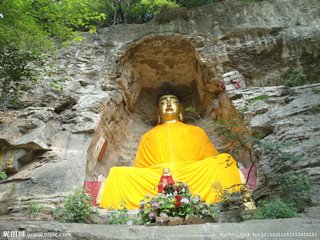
31 28
136 11
35 25
19 30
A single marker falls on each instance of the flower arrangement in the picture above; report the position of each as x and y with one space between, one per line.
175 201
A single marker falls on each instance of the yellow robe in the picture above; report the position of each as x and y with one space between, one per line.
189 154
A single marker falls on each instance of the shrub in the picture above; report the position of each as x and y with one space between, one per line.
296 190
118 217
296 78
315 107
3 175
76 207
249 102
34 209
274 208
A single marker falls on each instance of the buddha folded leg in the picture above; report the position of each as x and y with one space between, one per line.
130 184
202 175
126 186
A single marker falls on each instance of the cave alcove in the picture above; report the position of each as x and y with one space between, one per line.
146 68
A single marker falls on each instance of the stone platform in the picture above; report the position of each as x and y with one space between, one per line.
307 226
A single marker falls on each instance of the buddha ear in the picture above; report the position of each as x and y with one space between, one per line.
181 114
180 117
159 119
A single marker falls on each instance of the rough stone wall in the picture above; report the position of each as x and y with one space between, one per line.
287 117
57 130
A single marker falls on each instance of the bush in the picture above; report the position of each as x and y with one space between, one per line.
275 208
296 78
296 190
76 207
118 217
315 108
3 175
34 209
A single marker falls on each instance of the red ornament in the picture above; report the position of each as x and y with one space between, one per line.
178 197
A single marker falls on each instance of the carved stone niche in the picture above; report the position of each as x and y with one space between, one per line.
146 68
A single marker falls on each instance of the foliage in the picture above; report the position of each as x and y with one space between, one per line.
19 29
190 113
118 217
157 6
233 197
30 28
249 102
274 208
34 209
230 135
56 84
296 190
3 175
76 207
139 11
315 108
29 24
175 201
235 139
15 74
296 78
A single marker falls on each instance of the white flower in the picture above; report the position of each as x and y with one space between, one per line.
185 200
1 15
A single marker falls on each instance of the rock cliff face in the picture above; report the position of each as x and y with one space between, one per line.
53 143
287 119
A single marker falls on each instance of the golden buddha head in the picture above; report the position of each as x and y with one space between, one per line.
169 109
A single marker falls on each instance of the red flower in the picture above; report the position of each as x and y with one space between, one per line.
178 197
177 204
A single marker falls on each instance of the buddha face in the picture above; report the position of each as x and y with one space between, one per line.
169 108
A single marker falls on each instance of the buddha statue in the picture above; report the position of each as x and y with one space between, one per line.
184 149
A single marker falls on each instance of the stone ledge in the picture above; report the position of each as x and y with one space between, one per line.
254 229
